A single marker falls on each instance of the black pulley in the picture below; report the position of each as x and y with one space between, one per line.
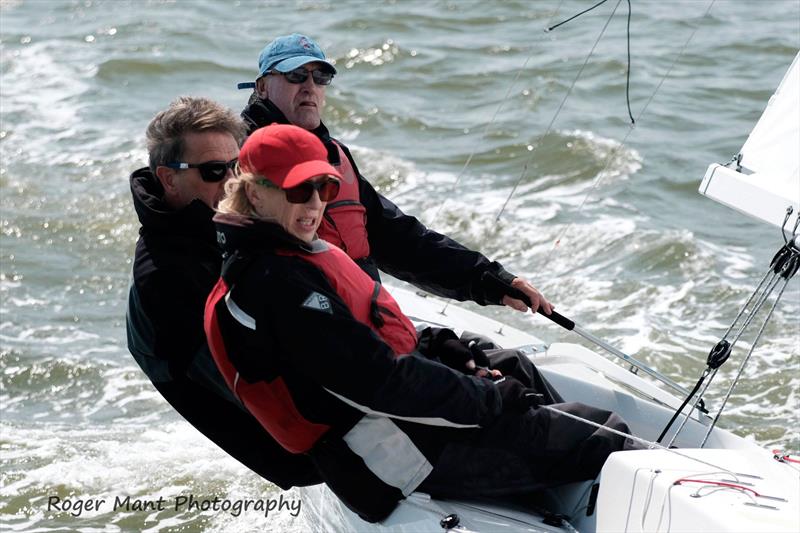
787 261
792 267
718 354
780 258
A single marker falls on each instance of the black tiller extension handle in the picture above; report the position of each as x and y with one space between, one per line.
556 317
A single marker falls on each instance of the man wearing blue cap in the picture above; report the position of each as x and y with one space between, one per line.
375 233
285 67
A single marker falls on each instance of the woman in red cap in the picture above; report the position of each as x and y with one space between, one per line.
325 359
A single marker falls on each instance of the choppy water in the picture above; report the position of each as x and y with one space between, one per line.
643 260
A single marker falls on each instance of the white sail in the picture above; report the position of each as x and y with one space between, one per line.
766 180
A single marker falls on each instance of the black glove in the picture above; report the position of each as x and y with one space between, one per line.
430 341
455 355
516 397
444 345
478 355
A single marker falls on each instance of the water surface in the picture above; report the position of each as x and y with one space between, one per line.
641 259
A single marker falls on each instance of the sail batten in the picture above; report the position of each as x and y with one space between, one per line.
766 180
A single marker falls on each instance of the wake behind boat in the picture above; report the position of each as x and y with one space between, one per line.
695 476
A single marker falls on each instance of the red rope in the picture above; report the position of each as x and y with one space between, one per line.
717 483
784 457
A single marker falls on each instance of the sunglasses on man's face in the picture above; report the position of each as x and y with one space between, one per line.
210 171
300 194
300 75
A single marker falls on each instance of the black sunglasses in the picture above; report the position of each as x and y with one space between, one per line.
210 171
300 75
300 194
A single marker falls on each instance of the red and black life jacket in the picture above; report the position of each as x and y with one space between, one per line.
270 401
370 303
345 220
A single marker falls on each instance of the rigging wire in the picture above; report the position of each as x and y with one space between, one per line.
760 295
723 346
628 70
611 157
750 353
648 443
486 132
493 118
555 115
573 17
782 268
628 38
602 174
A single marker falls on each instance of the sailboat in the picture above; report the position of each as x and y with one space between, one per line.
694 476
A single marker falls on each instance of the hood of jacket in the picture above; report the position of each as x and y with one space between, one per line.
196 219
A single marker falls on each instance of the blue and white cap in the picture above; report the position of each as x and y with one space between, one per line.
288 52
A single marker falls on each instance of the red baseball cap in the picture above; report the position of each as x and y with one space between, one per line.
286 155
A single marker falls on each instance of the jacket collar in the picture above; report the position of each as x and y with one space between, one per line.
154 214
240 232
262 112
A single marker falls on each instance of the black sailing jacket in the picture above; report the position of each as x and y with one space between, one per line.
176 265
399 244
387 417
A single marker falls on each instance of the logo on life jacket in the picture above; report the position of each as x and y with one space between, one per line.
318 302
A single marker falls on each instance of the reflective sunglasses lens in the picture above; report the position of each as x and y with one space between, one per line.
329 190
300 194
322 78
298 75
215 171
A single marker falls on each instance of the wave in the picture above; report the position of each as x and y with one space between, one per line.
106 462
129 67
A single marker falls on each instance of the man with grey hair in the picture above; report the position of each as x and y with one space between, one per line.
193 146
290 89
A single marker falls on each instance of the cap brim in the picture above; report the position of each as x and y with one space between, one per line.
293 62
308 170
